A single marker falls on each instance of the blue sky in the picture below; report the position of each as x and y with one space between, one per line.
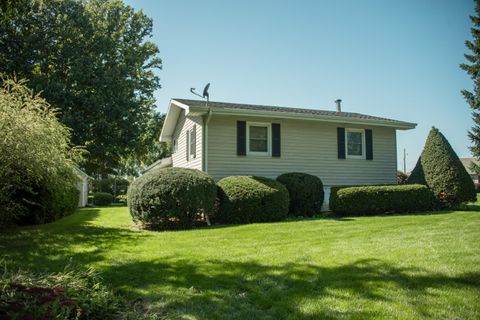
396 59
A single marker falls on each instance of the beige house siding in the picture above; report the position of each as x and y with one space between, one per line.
306 146
179 157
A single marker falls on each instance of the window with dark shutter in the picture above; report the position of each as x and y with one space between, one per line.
341 143
368 144
276 140
241 138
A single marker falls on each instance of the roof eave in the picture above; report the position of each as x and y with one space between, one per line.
171 119
401 125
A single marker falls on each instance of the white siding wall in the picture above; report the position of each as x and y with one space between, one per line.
179 158
306 146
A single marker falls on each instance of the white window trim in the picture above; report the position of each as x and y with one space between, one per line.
174 146
362 131
269 138
191 156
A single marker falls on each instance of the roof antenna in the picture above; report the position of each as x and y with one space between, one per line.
205 93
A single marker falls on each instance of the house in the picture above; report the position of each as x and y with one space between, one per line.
82 186
225 139
467 162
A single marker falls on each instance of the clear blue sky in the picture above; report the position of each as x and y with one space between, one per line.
395 59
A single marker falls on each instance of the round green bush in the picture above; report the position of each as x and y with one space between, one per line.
171 198
102 199
246 199
305 192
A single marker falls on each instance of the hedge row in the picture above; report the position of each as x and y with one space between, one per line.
370 200
179 198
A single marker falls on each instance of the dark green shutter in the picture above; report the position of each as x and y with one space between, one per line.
241 138
341 143
276 140
368 144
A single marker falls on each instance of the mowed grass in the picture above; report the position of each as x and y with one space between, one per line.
424 266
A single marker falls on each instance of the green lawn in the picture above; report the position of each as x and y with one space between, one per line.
397 267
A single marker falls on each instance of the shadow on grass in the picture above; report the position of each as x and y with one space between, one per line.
469 207
50 247
248 290
218 289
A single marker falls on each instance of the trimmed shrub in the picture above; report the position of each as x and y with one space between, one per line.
246 199
370 200
441 170
171 198
102 199
305 192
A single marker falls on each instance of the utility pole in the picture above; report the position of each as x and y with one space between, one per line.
404 161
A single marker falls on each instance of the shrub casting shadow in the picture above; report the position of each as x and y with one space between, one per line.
206 289
50 250
241 290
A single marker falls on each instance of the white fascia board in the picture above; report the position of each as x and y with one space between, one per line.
322 118
171 120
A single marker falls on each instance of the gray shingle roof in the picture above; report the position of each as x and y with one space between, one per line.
467 162
316 112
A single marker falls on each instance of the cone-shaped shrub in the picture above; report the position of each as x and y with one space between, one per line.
441 170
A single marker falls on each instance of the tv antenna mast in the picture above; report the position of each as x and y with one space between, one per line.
205 94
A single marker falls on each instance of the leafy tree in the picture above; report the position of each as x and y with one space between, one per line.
36 161
401 177
149 150
91 60
442 171
473 70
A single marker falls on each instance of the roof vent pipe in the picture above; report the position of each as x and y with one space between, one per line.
339 106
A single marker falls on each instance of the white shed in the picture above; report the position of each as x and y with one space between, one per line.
82 187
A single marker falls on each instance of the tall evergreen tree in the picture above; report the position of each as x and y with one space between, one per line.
442 171
473 70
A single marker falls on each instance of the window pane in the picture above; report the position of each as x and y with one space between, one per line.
354 143
258 139
258 132
257 145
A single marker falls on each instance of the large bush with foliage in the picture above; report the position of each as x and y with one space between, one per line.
370 200
171 198
37 175
441 170
305 192
246 199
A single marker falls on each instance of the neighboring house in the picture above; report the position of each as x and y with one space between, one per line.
225 139
467 162
82 186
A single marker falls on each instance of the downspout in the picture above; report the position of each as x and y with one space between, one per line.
205 141
205 153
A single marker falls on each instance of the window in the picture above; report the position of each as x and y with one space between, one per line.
191 143
355 143
258 138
